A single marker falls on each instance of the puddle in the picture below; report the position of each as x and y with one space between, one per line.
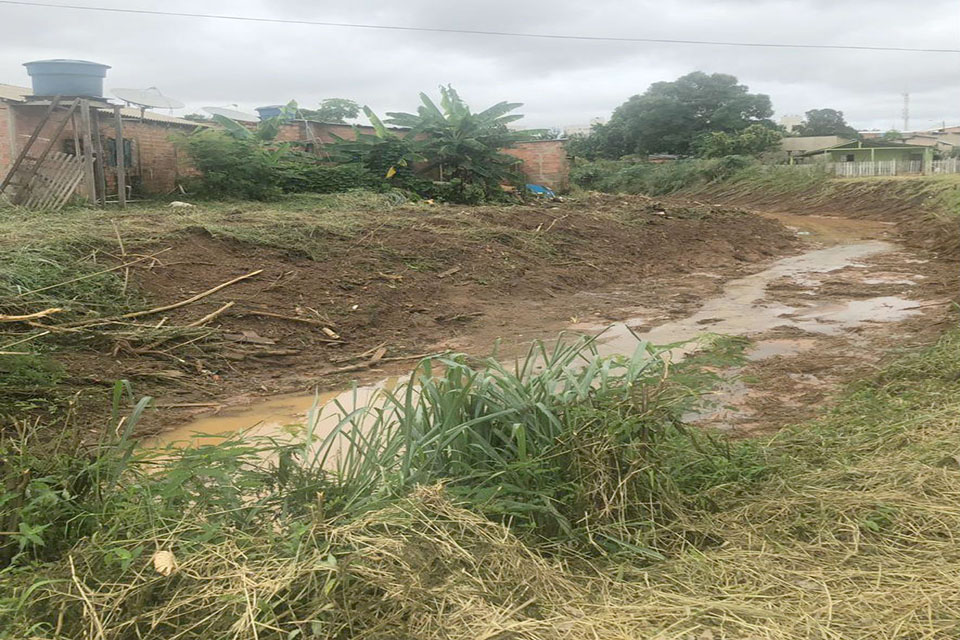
740 310
274 417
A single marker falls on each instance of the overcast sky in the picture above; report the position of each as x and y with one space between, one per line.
216 62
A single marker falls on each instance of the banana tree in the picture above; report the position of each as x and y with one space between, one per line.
462 145
265 131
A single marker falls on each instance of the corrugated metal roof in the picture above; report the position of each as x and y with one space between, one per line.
13 93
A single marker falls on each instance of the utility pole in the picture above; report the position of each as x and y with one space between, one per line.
906 111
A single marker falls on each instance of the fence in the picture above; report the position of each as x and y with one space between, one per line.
884 167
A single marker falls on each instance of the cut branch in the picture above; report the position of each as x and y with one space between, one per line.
31 316
169 307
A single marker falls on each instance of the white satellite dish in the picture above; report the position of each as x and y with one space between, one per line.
233 114
146 98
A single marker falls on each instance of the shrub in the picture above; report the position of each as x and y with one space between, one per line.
302 175
232 167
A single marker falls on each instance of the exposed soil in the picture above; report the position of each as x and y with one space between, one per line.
816 319
414 289
910 203
847 293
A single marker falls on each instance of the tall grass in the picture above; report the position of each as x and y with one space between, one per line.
517 441
533 445
690 175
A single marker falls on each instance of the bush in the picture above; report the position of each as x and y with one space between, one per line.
231 167
305 175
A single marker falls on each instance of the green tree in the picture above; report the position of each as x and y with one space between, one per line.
893 136
669 116
463 147
827 122
334 111
752 141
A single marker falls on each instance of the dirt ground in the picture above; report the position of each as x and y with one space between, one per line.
373 303
376 301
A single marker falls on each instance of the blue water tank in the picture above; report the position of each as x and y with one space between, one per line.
271 111
67 77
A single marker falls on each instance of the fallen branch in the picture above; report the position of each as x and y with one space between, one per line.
31 316
359 356
21 341
375 360
211 316
169 307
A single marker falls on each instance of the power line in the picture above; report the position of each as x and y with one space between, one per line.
477 32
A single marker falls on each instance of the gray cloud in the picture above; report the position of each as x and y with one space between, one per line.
561 82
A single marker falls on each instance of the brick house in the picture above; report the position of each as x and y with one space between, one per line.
154 164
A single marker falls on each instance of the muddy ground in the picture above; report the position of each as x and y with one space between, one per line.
420 281
845 297
425 280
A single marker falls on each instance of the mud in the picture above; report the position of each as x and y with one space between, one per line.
816 319
417 281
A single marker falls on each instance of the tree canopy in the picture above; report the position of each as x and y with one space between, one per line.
670 116
826 122
753 140
333 110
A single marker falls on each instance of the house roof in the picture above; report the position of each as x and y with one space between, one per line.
13 93
870 143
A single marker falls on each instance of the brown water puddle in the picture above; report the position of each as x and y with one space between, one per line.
742 309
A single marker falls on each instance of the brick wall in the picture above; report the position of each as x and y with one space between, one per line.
157 163
543 162
6 149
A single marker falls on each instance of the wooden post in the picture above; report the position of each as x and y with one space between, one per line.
121 159
89 179
100 166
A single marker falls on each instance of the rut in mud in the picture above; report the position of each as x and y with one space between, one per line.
816 319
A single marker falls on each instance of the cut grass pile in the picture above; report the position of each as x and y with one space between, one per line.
842 528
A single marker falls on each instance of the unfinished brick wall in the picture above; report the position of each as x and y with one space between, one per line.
543 162
157 166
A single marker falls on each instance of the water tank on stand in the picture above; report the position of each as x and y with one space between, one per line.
271 111
67 77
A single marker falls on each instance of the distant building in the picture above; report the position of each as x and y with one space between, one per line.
876 150
791 123
801 145
581 129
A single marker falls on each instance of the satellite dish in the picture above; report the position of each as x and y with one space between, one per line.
144 98
233 114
